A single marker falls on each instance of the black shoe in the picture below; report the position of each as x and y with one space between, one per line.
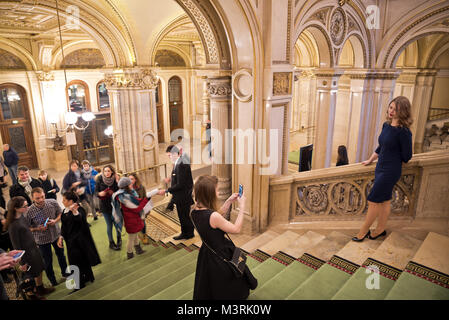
95 218
113 246
119 242
360 240
180 237
379 235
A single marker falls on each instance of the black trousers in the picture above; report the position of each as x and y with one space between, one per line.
183 208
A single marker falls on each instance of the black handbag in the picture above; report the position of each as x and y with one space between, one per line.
238 261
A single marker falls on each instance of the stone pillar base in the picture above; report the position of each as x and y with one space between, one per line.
59 160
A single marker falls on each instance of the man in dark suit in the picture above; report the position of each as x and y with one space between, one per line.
181 190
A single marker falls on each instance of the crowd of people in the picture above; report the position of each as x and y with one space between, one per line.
33 215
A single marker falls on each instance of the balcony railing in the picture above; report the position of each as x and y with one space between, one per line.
340 193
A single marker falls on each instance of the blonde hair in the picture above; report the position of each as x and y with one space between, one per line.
403 110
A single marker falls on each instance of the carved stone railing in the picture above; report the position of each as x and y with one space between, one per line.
340 193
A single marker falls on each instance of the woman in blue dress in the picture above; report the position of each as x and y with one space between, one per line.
395 147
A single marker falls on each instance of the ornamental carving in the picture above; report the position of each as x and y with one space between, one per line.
282 83
346 196
338 27
209 38
45 76
140 78
220 88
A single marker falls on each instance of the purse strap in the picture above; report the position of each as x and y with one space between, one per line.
191 218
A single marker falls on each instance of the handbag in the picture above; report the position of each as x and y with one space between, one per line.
238 260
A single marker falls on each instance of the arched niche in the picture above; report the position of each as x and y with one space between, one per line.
316 36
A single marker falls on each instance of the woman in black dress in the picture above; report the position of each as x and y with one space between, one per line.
342 158
214 278
75 232
22 239
395 147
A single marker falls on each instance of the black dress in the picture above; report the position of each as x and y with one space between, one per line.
22 239
81 249
395 147
214 278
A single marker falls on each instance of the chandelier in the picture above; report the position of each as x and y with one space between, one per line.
71 118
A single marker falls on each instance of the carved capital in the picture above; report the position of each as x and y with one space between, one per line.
141 78
45 75
220 87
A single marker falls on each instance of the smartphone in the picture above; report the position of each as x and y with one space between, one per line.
240 190
18 255
45 223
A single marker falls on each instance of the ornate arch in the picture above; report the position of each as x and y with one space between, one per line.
69 48
20 52
436 54
178 51
339 23
211 30
418 24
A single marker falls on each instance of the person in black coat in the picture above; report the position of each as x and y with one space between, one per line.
395 148
342 158
24 185
49 185
181 190
75 231
105 186
11 161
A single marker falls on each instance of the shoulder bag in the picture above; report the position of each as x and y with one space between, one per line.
238 261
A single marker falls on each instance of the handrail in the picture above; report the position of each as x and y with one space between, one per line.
145 169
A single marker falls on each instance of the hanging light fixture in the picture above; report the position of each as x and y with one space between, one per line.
71 118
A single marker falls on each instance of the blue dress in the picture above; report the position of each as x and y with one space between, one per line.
395 147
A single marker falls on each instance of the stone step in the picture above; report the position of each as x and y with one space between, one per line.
259 241
329 246
280 242
426 276
298 247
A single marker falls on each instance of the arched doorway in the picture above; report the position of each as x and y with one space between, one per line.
175 103
15 124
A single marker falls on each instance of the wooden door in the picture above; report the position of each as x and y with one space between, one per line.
92 143
159 113
15 123
175 103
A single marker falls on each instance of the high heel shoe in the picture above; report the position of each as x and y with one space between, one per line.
360 240
379 235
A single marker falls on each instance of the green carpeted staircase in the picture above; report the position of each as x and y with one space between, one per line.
316 267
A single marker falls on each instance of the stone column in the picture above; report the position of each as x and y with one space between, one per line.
325 105
220 115
378 91
133 115
205 99
422 99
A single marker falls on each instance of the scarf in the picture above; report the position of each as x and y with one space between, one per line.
108 181
26 185
87 175
123 198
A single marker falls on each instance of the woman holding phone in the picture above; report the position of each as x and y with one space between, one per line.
214 278
81 249
22 239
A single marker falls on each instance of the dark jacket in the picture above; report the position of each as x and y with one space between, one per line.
181 183
81 247
105 202
48 185
69 179
17 190
11 157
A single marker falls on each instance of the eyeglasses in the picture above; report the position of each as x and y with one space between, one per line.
24 206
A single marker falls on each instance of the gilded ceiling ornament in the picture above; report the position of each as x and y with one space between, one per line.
343 2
